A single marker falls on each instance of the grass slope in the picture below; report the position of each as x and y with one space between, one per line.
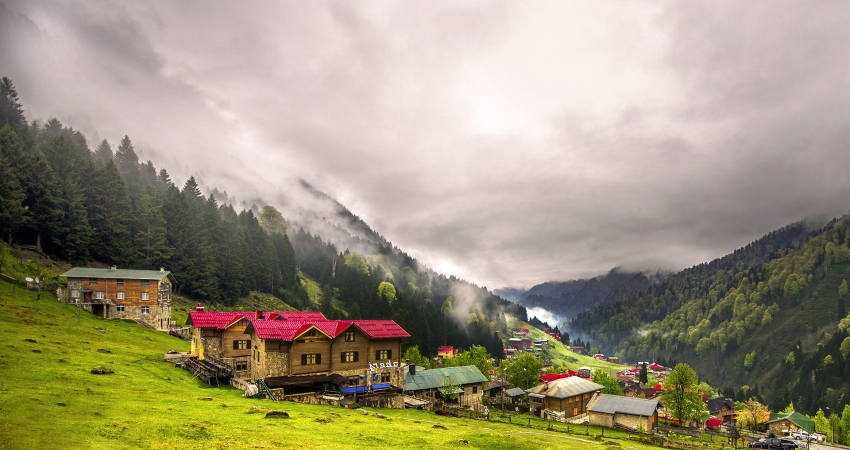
560 355
49 398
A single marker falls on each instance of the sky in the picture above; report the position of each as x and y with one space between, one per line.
506 143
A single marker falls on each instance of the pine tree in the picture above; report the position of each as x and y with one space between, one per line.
104 153
109 213
128 163
11 111
12 211
151 243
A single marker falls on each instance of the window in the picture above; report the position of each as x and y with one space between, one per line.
93 281
349 336
119 281
383 354
575 411
256 354
146 283
385 378
311 359
119 308
98 295
241 365
354 380
311 333
146 309
349 357
120 295
146 296
242 345
474 389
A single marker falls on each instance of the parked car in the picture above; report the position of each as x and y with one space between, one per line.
801 435
773 443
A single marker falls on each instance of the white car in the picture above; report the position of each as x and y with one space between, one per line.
801 435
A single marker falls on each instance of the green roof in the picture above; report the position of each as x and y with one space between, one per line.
124 274
436 378
795 418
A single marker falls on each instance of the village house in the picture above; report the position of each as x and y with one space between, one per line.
467 383
304 353
615 411
140 295
780 424
565 395
446 352
220 335
721 408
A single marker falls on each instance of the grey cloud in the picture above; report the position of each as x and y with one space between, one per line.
511 143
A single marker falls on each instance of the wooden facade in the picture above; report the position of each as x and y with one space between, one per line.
140 295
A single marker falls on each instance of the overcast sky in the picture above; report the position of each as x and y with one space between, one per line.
505 143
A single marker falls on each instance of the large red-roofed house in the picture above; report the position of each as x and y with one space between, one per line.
292 344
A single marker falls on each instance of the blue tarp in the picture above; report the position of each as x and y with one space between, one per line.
380 386
354 390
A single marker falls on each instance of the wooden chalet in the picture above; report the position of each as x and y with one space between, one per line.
303 352
140 295
721 408
564 395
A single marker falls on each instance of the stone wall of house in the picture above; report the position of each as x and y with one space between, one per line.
389 401
600 420
471 398
276 364
630 421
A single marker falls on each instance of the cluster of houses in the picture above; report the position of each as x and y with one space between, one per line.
303 356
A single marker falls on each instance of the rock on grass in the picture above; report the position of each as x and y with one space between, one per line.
277 414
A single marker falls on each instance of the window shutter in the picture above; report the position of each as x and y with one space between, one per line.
389 354
342 357
248 345
356 355
235 345
318 358
303 360
377 355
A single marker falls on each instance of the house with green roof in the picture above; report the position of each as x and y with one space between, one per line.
140 295
792 421
462 385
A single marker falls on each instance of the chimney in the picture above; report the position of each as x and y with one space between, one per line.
199 306
113 268
260 314
410 368
162 269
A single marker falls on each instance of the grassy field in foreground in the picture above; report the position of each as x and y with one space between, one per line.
49 398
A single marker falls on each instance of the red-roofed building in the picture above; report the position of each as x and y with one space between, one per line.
446 352
286 344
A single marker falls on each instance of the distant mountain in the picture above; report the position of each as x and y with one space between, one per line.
768 320
570 298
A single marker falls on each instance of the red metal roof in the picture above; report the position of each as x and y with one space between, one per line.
213 319
550 377
289 325
445 348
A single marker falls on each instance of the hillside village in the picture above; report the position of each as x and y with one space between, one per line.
307 358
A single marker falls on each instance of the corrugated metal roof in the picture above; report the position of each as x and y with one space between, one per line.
289 325
567 387
795 418
514 392
213 319
126 274
612 404
435 378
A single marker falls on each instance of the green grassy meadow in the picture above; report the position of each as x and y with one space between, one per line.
49 398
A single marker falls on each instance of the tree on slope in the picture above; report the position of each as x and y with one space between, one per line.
681 395
525 371
605 379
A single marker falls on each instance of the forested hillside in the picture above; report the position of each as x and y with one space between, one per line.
570 298
105 206
766 317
